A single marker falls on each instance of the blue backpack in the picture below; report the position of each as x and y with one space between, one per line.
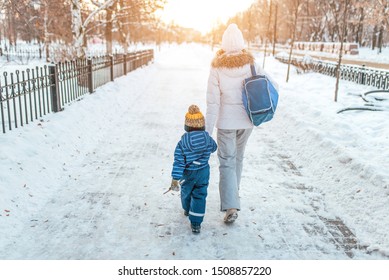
260 98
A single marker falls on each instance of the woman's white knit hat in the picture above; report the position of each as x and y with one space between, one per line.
232 40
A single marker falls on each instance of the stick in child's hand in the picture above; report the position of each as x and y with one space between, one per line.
168 190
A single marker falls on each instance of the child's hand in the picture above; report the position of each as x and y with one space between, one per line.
175 185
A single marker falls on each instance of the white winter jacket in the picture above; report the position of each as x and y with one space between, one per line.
225 108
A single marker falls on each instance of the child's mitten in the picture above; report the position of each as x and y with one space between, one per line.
175 185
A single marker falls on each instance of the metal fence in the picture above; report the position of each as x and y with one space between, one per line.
24 54
358 74
21 54
28 95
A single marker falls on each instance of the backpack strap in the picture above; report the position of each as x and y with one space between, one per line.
253 73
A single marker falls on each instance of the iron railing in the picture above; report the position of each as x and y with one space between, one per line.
25 54
21 54
28 95
357 74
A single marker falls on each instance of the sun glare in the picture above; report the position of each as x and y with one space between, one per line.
202 15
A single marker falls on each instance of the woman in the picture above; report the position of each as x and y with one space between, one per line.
226 112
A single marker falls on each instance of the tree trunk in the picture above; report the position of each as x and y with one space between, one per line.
78 29
123 35
360 27
293 38
275 30
123 32
374 39
108 31
267 33
346 4
11 27
45 31
380 39
79 26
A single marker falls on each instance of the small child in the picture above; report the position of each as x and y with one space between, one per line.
191 168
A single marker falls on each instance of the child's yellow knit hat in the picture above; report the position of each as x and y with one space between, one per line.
194 120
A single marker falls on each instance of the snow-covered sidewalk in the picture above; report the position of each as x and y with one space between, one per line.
88 183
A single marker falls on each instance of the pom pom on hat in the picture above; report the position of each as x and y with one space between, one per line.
193 109
232 40
194 119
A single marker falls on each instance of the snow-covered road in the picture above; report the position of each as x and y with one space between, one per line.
88 183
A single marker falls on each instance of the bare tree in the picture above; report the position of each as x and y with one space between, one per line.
275 29
53 23
359 33
296 6
383 5
108 27
249 25
267 32
10 32
343 35
79 25
128 16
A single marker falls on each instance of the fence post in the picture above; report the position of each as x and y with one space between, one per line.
363 79
386 86
131 62
111 62
133 56
136 62
143 60
54 92
125 64
90 77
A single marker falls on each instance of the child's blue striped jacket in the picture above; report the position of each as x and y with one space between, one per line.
192 152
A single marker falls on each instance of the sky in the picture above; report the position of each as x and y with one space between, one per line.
202 14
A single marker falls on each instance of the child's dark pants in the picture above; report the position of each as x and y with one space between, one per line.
194 193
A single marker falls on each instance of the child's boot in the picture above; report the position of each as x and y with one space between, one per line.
196 227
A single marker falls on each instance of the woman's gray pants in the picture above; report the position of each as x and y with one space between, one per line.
231 145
